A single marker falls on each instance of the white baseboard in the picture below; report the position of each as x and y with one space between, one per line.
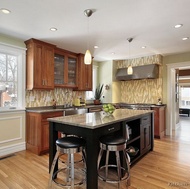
177 125
12 149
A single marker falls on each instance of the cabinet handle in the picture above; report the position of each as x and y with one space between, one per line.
112 128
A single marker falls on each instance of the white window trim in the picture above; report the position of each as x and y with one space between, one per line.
21 54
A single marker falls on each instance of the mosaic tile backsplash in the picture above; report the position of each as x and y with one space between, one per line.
142 91
38 98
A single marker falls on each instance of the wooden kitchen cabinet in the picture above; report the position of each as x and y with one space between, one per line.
159 121
65 68
84 75
39 65
37 131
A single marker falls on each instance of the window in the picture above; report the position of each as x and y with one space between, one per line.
90 94
12 77
185 96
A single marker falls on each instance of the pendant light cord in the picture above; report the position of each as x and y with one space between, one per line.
88 33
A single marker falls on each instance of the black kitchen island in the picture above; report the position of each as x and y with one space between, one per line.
91 126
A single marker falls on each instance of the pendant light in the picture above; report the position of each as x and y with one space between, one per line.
88 56
129 69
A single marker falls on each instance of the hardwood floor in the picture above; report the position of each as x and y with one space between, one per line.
167 167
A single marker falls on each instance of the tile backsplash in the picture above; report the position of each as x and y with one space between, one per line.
36 98
142 91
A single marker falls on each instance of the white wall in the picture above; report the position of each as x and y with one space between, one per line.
105 77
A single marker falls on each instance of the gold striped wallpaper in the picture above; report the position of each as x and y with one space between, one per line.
142 91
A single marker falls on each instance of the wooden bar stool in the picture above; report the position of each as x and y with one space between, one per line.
70 175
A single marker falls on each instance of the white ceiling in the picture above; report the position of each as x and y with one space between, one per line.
150 22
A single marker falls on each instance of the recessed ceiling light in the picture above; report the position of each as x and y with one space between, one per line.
53 29
178 25
185 38
112 53
5 11
143 47
96 47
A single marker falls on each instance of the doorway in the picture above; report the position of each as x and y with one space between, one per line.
171 95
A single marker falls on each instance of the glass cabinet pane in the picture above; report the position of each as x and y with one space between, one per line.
59 62
72 62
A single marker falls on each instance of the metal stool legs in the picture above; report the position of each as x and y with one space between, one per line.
123 173
71 173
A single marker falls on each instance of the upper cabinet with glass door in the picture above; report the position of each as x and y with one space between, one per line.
72 70
65 69
59 61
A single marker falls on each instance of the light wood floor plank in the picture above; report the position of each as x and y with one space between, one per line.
167 167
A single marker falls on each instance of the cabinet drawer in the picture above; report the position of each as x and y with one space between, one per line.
51 114
110 129
145 120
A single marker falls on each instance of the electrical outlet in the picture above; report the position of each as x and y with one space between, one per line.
32 99
48 98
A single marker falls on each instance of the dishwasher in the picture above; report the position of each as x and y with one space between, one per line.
74 111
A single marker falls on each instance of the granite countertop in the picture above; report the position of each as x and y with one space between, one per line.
99 119
58 108
43 110
62 108
123 104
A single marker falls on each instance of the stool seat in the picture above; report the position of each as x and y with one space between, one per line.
112 140
70 142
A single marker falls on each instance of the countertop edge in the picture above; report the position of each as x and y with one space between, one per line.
85 125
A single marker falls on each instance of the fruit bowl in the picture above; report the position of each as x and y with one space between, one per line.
132 151
108 108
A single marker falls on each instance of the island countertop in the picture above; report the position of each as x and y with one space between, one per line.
99 119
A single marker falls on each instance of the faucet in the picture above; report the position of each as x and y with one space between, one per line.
54 104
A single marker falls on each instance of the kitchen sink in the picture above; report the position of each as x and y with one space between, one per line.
73 111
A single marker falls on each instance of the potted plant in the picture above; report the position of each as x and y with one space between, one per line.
98 94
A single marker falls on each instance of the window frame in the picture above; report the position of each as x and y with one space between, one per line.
20 52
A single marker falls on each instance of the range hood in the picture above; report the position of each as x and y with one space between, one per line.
150 71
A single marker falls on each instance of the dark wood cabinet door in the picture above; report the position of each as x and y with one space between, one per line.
145 138
39 65
159 121
37 131
84 75
48 67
